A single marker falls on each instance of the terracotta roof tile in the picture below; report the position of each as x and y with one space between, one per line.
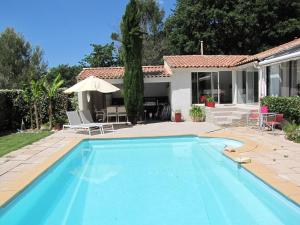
281 48
118 72
198 61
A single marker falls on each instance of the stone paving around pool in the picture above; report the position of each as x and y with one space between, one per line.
282 156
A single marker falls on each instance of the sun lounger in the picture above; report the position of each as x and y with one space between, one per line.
76 124
86 118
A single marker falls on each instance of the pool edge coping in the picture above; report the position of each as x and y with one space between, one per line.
27 177
288 189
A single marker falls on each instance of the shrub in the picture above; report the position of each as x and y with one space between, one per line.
292 132
197 113
289 106
13 108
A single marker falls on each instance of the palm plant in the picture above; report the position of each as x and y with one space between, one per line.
36 92
27 96
51 89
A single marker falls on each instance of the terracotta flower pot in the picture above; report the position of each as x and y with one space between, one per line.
177 117
210 104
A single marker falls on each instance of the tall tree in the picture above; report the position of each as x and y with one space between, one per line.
15 54
231 26
132 49
68 73
152 26
101 56
37 66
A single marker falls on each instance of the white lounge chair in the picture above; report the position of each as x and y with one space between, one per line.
86 118
75 123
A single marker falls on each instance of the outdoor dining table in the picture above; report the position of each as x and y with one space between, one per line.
263 116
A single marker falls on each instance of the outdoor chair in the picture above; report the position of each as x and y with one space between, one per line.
86 118
76 124
111 111
273 121
122 113
253 116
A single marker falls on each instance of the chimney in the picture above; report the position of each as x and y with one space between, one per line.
201 44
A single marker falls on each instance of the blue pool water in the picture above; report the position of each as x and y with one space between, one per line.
149 181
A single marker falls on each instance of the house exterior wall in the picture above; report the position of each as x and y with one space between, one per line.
181 86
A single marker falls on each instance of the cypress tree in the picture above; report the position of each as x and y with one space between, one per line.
132 42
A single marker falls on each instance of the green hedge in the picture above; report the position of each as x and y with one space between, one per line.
13 109
289 106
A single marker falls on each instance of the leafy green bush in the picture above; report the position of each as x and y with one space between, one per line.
289 106
13 108
292 132
197 113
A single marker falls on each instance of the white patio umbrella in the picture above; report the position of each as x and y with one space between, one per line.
92 84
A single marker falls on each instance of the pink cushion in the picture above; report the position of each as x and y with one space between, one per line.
264 109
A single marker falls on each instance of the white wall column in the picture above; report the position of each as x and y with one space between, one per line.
234 87
181 93
82 100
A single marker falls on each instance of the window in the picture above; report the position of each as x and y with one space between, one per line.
284 79
215 84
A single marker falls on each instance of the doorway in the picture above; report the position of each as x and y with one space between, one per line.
247 87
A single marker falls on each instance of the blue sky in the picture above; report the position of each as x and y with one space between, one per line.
66 28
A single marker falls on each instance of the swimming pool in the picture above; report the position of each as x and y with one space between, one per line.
145 181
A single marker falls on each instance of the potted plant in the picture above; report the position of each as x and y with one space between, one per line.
58 122
178 115
202 99
210 102
197 113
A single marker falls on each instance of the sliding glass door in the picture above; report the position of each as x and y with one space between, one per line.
215 84
247 87
225 87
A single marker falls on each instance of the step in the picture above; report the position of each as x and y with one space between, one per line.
224 118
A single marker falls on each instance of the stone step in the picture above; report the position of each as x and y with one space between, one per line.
224 118
228 113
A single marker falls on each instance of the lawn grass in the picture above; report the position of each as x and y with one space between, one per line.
12 142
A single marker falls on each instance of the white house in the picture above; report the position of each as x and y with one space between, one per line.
230 79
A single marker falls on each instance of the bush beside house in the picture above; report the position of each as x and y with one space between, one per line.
289 106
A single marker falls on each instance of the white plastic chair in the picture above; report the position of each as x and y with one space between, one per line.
122 113
111 111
